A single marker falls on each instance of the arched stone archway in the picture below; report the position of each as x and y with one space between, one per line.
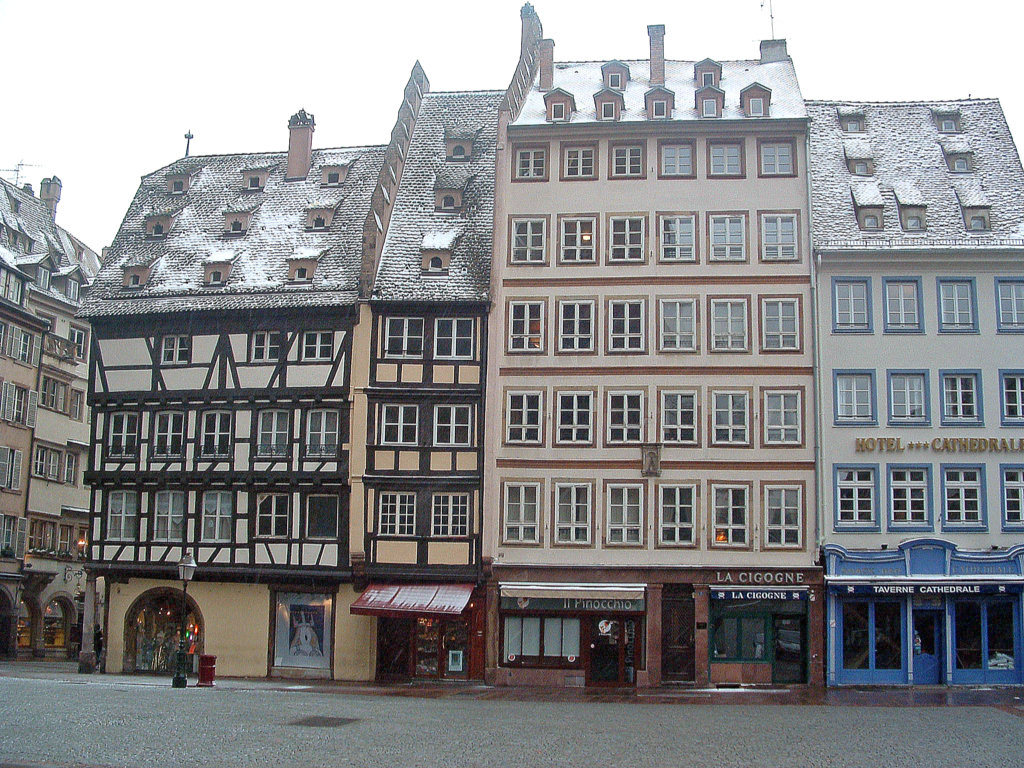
151 630
57 620
8 625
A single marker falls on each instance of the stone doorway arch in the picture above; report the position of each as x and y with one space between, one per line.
151 629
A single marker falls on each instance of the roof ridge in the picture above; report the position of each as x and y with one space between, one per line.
667 61
488 91
837 102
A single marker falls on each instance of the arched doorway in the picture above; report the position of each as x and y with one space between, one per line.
152 628
7 625
27 613
58 620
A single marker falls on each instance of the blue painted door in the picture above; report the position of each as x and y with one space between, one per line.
929 647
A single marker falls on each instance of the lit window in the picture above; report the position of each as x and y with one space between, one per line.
577 240
730 515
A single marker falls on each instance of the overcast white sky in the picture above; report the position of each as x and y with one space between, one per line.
101 92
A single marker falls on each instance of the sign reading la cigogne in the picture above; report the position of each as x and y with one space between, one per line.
940 445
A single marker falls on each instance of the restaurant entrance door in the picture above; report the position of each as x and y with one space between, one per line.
613 650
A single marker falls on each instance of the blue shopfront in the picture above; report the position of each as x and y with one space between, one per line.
924 613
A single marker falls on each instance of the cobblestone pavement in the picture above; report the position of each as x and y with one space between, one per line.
52 717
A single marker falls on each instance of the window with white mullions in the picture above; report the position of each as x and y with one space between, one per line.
526 326
528 241
677 160
218 507
576 326
550 638
403 337
450 514
318 345
677 238
677 514
780 324
1013 396
217 433
725 160
322 433
47 463
273 434
627 238
782 418
625 417
396 514
777 159
572 514
778 237
123 440
53 393
855 496
730 515
176 350
678 325
522 512
122 515
531 163
399 424
956 305
1011 305
453 338
729 324
851 305
522 417
908 495
579 162
853 398
1013 495
962 496
627 161
728 238
625 514
907 397
168 433
783 516
266 346
626 328
902 306
453 425
272 515
169 511
960 397
577 240
575 417
730 418
679 417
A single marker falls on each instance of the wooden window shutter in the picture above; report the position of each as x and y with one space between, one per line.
12 339
15 470
19 551
33 406
7 401
35 343
5 465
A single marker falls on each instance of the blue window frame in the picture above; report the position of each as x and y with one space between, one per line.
1009 305
1011 397
1011 496
909 497
902 311
851 305
855 502
963 497
960 398
986 641
908 395
871 641
957 305
854 400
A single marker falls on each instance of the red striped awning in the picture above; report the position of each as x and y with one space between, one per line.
409 599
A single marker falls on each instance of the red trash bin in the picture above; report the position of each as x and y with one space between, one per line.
207 671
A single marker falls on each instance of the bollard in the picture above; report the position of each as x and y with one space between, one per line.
207 671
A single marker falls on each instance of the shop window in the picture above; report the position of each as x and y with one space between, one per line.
739 638
55 625
302 630
153 633
539 640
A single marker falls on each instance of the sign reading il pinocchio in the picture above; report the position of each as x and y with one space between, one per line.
940 445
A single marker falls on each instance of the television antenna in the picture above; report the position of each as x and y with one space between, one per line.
17 171
771 15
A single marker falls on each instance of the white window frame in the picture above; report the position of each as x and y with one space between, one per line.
775 162
122 509
730 518
214 427
857 494
625 417
573 516
218 511
576 327
1013 495
724 320
79 337
396 514
458 334
580 162
678 331
627 239
449 515
522 514
574 247
709 107
783 417
678 241
123 432
523 336
779 237
627 161
168 426
728 238
673 160
726 427
408 332
956 305
529 241
624 514
680 416
960 397
398 419
168 515
1012 386
902 305
628 332
962 489
273 522
659 108
321 437
726 159
783 516
780 330
531 403
903 397
607 110
273 433
318 346
535 165
851 305
266 346
908 496
176 350
457 421
575 414
854 398
558 111
672 505
1010 305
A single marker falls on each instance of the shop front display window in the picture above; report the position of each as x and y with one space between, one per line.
541 641
1000 636
872 635
303 630
888 636
55 626
968 635
154 632
985 640
740 638
855 636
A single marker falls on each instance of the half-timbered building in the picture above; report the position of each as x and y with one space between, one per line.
418 461
222 339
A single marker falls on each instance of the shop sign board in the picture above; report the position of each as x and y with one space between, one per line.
758 594
584 604
929 590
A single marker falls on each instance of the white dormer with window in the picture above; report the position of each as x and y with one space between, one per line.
71 289
560 105
859 157
868 203
614 75
912 206
974 204
237 223
254 179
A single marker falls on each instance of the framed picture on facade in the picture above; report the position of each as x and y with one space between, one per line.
303 630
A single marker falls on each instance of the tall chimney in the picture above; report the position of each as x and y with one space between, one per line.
547 64
773 50
49 193
657 34
300 145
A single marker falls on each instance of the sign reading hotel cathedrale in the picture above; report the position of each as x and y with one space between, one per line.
941 445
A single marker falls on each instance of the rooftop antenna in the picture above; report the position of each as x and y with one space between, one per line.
188 141
16 170
771 15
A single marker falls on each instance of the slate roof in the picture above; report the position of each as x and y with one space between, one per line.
414 222
49 240
583 79
277 232
903 140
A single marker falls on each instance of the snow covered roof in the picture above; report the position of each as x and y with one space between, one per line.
416 225
583 79
910 169
276 235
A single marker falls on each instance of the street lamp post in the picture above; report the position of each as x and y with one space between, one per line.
186 567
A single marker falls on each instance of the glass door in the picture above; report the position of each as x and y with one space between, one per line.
454 649
428 632
790 655
605 650
928 647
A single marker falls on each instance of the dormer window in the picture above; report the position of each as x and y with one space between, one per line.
707 73
158 229
947 122
659 108
237 223
912 218
608 110
870 218
435 261
560 104
319 219
558 112
614 80
709 108
977 219
135 277
71 289
756 107
43 278
216 277
707 78
301 270
447 200
178 183
861 167
333 175
236 226
615 75
135 280
157 226
458 152
301 273
254 182
853 124
319 223
254 179
755 100
960 162
177 186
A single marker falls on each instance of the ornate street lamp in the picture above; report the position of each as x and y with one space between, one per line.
186 568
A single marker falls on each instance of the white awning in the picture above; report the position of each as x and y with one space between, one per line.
574 590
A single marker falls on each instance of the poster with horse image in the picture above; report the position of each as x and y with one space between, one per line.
303 630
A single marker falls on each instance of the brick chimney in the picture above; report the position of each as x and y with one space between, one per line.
27 188
49 193
773 50
657 34
547 64
300 145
